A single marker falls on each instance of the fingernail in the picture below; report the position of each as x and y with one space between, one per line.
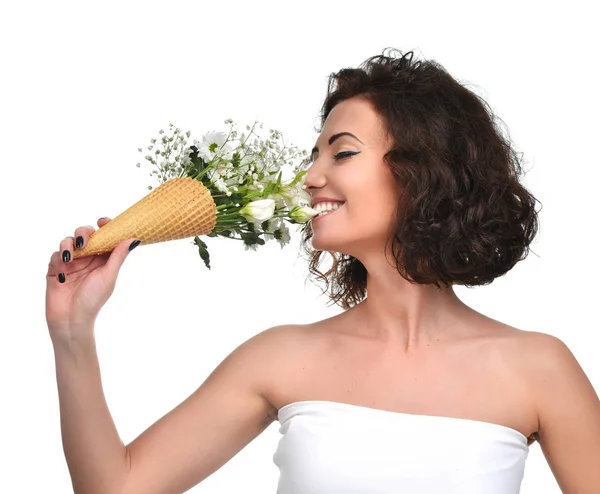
103 218
134 244
66 256
79 242
61 277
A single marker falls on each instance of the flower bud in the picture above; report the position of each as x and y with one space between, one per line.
302 214
258 211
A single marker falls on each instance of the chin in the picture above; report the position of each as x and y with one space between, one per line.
326 242
330 242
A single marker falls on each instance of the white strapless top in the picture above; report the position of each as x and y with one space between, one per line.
337 448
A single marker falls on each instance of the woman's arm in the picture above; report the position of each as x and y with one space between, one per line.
95 455
184 447
569 415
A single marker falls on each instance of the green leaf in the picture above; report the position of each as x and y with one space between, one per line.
236 159
297 178
219 201
252 238
235 198
253 194
203 251
268 189
197 161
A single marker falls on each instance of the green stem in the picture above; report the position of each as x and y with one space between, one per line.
232 216
203 172
228 219
228 225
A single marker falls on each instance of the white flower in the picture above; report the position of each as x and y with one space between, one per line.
283 235
258 211
221 185
277 229
279 201
213 143
289 192
301 199
272 225
256 186
295 196
250 247
302 214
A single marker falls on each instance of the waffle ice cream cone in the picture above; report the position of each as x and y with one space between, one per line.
179 208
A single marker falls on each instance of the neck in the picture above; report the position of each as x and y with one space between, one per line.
409 315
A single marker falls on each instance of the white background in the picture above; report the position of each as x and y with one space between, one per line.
83 85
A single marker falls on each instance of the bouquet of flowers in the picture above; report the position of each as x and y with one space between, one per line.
226 185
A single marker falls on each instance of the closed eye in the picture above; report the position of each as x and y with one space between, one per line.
340 156
345 154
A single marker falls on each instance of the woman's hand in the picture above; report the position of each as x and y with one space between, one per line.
76 289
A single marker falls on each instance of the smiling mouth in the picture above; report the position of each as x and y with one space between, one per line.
328 210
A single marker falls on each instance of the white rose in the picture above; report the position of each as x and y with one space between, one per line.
258 211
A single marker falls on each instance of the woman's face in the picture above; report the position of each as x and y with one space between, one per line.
358 177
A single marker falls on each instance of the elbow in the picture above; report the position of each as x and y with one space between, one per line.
107 483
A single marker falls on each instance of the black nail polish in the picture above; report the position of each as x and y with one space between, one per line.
66 256
61 277
134 244
79 242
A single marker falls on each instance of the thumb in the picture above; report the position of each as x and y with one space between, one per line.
119 254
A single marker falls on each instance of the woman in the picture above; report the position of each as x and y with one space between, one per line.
407 390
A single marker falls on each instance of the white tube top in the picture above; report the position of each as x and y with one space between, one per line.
334 448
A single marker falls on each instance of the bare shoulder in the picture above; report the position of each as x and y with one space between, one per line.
550 365
275 353
291 340
568 411
531 348
538 357
278 343
542 352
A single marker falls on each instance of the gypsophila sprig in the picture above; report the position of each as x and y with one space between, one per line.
245 176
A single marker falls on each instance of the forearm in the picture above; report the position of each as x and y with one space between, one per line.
95 454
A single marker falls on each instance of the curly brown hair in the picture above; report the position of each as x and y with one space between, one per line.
462 218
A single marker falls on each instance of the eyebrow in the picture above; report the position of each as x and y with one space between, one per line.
333 138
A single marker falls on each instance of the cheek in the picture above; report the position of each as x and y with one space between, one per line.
375 213
380 202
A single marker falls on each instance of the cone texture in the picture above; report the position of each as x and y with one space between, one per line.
180 208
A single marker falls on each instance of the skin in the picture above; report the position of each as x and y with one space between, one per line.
406 348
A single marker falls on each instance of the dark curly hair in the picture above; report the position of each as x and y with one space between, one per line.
462 218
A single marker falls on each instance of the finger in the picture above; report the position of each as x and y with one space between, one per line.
82 235
56 268
103 221
118 256
55 260
66 251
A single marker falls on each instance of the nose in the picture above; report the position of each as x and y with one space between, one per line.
314 179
